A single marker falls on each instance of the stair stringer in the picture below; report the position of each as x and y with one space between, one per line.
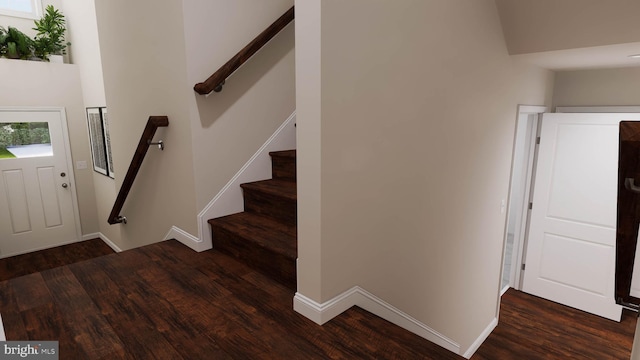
229 199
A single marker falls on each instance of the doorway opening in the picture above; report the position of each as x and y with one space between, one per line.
38 199
522 167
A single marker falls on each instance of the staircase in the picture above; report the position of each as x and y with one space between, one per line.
264 235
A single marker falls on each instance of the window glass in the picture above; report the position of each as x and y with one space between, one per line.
22 140
19 8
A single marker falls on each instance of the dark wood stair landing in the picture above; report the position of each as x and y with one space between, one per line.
264 235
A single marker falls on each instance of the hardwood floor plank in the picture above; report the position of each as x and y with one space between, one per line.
234 318
7 297
90 329
530 326
45 323
161 315
166 301
177 329
30 291
12 320
275 299
137 333
93 278
20 265
185 273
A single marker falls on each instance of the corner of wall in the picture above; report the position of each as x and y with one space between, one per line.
186 239
357 296
104 238
483 336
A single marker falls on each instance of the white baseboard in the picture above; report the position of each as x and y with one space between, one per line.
185 238
321 313
483 336
102 237
229 200
91 236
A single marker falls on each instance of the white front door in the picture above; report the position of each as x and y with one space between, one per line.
570 254
36 202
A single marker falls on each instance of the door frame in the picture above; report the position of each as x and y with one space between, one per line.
520 237
530 176
68 159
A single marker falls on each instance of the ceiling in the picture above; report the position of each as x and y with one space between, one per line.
608 56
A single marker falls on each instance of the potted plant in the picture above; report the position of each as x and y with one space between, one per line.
49 39
15 44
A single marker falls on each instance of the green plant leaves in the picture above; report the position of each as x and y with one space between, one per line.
49 39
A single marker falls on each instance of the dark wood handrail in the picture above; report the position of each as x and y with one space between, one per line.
215 81
153 124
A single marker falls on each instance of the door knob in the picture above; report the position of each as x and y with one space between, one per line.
64 185
63 174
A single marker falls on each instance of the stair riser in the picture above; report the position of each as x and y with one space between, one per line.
283 168
279 208
273 265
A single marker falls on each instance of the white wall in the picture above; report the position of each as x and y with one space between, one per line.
229 127
543 25
82 32
143 60
412 138
604 87
82 87
31 83
25 24
209 138
309 141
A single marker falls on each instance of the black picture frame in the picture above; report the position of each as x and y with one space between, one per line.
100 141
107 141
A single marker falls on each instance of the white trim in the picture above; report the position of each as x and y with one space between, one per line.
102 237
531 109
229 200
184 237
483 336
69 160
598 109
45 247
70 171
33 15
91 236
321 313
107 241
3 337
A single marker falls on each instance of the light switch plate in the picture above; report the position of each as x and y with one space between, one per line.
81 165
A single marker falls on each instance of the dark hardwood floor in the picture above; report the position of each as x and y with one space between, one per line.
164 301
20 265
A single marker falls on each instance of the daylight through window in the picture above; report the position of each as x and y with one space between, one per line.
20 8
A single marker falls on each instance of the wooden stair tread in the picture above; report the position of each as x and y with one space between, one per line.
264 236
285 189
283 153
263 231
